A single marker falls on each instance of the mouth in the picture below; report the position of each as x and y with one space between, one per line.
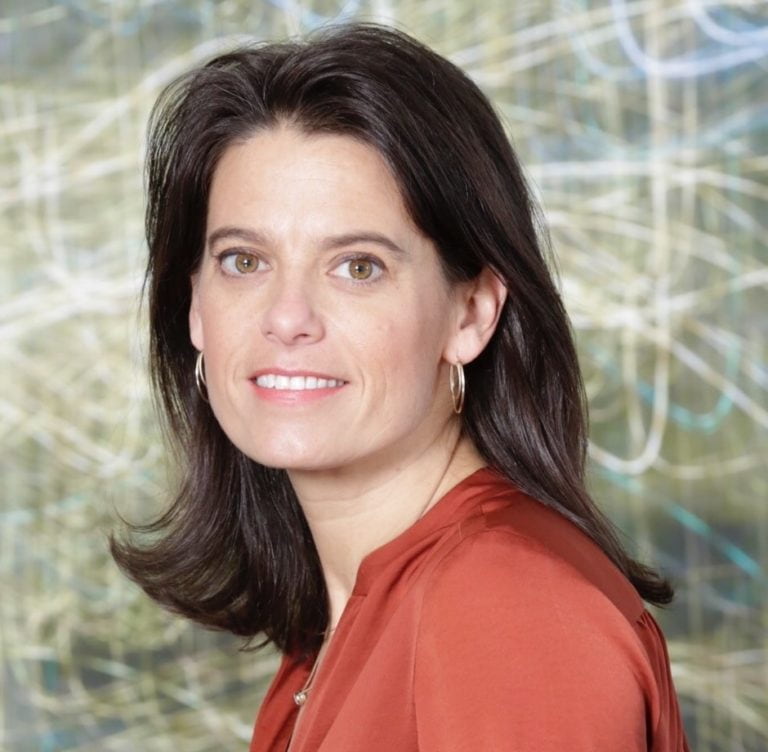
295 388
295 383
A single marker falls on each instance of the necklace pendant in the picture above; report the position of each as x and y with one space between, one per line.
300 697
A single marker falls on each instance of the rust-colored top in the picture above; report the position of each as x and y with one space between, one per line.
492 623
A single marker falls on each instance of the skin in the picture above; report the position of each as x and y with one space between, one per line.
369 458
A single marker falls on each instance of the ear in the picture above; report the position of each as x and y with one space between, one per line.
195 320
480 302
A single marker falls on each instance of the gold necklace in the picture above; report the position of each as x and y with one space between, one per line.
300 697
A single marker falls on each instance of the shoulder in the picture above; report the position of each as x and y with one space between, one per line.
516 584
520 604
519 548
518 572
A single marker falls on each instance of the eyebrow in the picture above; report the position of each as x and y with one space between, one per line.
328 243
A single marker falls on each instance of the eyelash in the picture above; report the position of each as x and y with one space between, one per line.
363 257
222 257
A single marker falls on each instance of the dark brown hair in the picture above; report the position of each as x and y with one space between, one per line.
234 551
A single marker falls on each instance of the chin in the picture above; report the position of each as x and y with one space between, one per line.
296 456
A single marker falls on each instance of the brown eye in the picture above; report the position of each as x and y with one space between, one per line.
245 263
239 263
360 269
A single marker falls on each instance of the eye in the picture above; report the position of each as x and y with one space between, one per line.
360 269
238 263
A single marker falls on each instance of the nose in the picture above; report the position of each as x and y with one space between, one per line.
290 317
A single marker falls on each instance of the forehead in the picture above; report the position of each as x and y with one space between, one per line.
281 170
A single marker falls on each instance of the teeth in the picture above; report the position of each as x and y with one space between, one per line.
295 383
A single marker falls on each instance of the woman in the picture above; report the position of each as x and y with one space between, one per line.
372 383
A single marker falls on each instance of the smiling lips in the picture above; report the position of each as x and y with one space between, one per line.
292 388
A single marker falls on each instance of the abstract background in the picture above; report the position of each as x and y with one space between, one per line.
644 128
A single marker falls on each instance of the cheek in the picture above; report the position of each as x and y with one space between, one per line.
403 357
223 335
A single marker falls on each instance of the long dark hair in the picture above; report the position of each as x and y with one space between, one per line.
234 551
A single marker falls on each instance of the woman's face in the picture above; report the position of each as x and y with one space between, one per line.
322 312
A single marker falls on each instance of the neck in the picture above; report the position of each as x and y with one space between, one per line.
353 511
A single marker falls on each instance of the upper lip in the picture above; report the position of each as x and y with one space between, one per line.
292 372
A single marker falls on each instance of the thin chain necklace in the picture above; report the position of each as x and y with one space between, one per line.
300 697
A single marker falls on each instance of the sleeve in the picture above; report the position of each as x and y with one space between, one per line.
516 651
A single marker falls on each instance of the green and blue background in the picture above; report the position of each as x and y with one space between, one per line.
643 125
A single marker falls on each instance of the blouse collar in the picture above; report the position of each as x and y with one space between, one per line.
450 508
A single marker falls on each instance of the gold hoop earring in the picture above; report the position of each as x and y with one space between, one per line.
458 386
202 386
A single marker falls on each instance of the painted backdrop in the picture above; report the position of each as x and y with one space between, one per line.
644 127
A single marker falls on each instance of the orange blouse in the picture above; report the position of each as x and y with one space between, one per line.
492 623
